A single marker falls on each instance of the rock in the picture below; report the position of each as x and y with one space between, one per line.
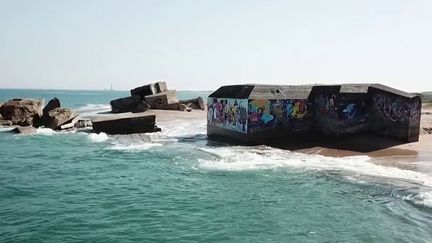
59 116
52 104
196 104
160 87
22 111
157 101
129 104
126 123
5 123
143 91
24 130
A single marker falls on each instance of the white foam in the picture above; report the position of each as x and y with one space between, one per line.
181 128
422 198
247 158
6 129
98 138
133 147
45 131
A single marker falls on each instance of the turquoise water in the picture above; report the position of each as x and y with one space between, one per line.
176 186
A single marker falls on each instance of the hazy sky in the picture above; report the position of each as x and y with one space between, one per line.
201 45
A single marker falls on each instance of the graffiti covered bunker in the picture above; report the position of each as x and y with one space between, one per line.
254 114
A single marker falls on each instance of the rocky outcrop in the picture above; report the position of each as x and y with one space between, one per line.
127 123
129 104
59 116
52 104
24 130
22 111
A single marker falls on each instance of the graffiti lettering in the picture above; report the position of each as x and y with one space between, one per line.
228 113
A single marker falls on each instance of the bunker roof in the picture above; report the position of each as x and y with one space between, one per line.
260 91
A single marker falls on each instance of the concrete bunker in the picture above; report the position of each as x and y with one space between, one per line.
259 114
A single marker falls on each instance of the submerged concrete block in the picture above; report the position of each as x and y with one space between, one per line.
196 104
157 101
143 91
129 104
161 87
126 123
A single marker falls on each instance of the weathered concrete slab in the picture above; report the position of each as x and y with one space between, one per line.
143 91
196 104
125 123
161 87
129 104
70 124
157 101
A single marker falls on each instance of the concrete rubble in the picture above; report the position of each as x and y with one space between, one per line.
154 96
128 114
129 104
126 123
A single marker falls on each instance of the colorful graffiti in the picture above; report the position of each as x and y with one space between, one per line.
275 113
228 113
340 108
397 109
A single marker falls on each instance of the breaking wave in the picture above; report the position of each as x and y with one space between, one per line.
45 131
133 147
98 138
240 158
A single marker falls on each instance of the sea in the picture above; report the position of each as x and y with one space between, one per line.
177 186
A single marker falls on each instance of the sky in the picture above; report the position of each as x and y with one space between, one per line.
201 45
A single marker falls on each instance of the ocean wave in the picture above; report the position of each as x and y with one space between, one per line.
45 131
263 157
182 129
241 158
422 198
133 147
6 129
